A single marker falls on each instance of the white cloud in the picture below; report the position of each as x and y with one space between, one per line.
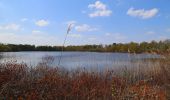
142 13
78 27
97 5
9 27
42 23
75 35
84 28
100 13
99 9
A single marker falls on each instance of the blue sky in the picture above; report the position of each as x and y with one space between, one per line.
44 22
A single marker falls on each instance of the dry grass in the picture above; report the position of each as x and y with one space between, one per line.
19 81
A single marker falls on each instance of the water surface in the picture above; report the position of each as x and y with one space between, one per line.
73 60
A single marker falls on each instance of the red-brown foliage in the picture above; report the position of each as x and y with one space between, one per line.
43 82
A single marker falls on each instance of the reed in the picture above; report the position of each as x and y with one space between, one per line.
22 82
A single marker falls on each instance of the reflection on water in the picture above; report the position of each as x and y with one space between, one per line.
79 59
1 55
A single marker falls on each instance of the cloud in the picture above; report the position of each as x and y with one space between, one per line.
142 13
99 9
78 27
75 35
84 28
98 5
9 27
42 23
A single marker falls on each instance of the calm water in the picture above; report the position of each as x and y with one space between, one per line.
79 59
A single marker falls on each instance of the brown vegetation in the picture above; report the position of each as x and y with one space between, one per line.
19 81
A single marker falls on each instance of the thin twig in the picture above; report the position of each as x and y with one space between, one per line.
68 30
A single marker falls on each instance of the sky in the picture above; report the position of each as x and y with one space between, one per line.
45 22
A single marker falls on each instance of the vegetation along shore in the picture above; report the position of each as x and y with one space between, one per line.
19 80
160 47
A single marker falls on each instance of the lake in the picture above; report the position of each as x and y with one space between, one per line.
72 60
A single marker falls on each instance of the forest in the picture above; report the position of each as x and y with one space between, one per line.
132 47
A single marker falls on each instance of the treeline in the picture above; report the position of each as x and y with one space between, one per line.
21 47
132 47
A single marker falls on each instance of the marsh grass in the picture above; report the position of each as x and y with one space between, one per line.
41 82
